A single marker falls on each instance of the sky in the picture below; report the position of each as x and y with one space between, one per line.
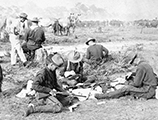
110 4
123 7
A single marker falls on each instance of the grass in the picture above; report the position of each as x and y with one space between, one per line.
12 108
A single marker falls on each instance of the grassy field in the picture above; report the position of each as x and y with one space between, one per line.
117 40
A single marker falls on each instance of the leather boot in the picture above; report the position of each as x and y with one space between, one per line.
29 110
101 96
48 109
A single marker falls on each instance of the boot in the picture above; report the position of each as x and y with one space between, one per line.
101 96
27 64
48 109
43 109
29 110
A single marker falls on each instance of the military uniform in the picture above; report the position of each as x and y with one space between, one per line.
16 32
34 37
44 82
96 54
143 85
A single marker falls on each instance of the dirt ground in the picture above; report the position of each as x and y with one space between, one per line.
117 40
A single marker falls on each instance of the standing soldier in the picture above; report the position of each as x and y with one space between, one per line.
16 32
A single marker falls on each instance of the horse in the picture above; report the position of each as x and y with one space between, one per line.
57 28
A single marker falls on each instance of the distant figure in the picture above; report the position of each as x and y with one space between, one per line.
95 53
140 84
34 38
1 78
16 32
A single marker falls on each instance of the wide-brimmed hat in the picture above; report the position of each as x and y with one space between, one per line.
90 39
74 56
56 59
23 15
35 19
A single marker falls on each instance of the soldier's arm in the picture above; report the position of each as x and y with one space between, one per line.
43 36
26 35
81 68
62 71
88 54
40 77
140 73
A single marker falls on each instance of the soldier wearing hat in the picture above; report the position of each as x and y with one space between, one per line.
95 52
16 34
23 16
73 68
33 38
45 83
140 84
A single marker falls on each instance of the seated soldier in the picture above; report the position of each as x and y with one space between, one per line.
96 53
142 85
72 68
72 71
34 37
45 84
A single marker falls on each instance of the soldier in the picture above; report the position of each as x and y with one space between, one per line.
34 38
142 85
45 84
72 72
95 53
16 34
73 68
